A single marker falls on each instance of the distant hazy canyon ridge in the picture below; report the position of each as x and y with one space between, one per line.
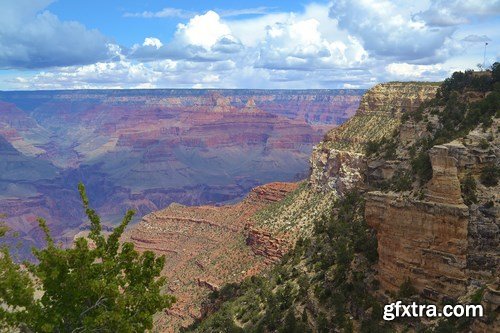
144 149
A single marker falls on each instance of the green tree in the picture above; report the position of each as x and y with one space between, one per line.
490 175
98 285
469 189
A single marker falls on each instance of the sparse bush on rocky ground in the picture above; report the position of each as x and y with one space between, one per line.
469 189
490 175
319 269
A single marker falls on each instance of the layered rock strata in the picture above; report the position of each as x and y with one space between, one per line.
423 241
426 235
144 149
379 114
341 153
444 186
264 244
208 246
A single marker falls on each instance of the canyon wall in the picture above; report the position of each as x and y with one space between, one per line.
436 241
340 154
426 233
208 246
144 149
425 240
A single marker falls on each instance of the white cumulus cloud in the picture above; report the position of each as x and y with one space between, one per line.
390 31
339 44
203 30
152 41
33 38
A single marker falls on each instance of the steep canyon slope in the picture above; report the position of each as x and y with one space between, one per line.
144 149
193 238
413 216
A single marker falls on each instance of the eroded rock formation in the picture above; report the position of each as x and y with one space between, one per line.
426 234
444 186
336 170
264 244
208 246
420 240
379 114
144 149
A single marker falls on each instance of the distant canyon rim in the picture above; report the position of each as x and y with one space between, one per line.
144 149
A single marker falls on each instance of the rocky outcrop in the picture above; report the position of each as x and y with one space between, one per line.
208 246
429 235
396 97
336 170
270 193
438 242
444 186
424 240
264 244
425 234
420 240
207 284
338 162
379 114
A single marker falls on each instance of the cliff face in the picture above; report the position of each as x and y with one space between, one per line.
424 240
378 116
436 240
144 149
396 97
426 233
425 164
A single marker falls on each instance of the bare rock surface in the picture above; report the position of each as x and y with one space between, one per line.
208 246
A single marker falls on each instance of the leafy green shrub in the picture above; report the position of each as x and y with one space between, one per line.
323 324
372 147
103 287
407 289
401 181
495 72
390 149
489 204
469 189
477 296
429 127
484 144
489 175
422 167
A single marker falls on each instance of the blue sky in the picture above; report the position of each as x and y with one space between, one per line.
65 44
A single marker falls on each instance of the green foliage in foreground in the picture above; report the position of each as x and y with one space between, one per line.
96 286
322 285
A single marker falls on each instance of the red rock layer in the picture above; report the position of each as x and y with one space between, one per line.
206 247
